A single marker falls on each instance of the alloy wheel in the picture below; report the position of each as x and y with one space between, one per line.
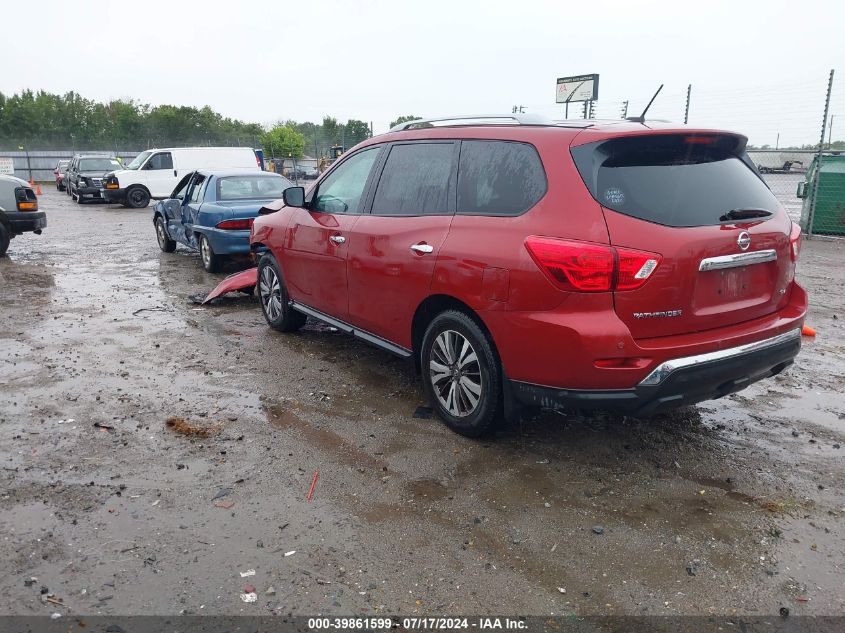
162 238
205 252
455 373
271 293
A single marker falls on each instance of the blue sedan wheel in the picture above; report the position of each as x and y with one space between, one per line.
210 261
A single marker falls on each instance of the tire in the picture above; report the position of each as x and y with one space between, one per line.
137 198
211 262
164 242
461 374
5 238
274 297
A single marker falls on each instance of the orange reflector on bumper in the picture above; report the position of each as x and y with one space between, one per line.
27 206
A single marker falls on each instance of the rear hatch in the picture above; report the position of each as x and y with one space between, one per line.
697 201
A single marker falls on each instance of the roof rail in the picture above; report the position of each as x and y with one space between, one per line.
477 119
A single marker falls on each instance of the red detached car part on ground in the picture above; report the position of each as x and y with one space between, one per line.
579 264
243 281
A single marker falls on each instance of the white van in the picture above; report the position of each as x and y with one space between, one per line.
155 173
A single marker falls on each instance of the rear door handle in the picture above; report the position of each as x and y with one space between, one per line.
337 239
422 248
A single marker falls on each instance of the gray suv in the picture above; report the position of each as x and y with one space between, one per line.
18 211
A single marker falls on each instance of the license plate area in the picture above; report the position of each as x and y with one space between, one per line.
732 289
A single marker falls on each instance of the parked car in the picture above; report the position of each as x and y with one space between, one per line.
70 167
212 211
85 176
59 172
521 262
18 211
303 172
154 173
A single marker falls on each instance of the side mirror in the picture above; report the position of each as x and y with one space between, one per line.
801 192
173 208
294 196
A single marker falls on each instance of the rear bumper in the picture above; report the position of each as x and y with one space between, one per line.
225 242
678 382
26 221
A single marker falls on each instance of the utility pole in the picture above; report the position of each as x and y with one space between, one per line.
584 111
28 163
777 141
592 109
686 110
624 109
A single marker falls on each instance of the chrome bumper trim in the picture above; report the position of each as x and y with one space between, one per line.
662 371
735 261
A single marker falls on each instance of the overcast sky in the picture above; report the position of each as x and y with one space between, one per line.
757 67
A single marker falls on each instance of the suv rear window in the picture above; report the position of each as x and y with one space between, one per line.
674 180
499 178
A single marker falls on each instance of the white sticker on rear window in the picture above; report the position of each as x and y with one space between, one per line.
614 196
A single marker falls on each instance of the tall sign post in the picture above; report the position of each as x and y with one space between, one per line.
577 89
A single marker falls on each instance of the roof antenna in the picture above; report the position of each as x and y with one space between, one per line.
641 118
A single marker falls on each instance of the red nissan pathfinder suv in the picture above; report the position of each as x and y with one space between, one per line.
521 261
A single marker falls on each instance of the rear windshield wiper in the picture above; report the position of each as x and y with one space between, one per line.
744 214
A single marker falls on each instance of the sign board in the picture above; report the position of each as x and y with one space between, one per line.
7 165
580 88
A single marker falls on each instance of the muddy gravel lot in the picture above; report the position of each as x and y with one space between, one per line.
734 506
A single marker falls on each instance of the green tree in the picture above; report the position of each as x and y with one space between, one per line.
355 132
331 131
404 119
283 141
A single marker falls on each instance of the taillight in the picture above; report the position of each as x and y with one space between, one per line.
236 225
795 241
25 199
634 268
586 267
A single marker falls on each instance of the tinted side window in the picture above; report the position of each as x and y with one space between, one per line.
162 160
415 180
342 189
499 178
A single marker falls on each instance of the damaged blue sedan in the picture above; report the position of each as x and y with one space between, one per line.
212 212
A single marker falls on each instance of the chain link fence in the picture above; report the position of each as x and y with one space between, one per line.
792 128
